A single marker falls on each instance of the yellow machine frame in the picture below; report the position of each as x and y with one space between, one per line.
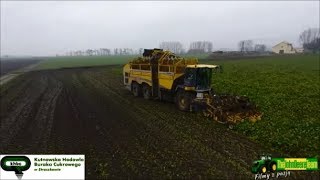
170 67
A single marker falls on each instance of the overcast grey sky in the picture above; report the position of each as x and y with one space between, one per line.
47 28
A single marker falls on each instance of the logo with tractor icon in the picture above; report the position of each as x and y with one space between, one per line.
267 164
264 165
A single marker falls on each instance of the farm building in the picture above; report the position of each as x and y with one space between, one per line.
299 50
283 48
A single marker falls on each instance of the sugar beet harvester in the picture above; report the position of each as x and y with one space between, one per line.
162 75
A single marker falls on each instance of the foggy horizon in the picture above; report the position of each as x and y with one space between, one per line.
50 28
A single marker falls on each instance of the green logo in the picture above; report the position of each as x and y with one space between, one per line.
306 164
267 164
16 164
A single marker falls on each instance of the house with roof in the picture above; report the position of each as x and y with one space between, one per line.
284 48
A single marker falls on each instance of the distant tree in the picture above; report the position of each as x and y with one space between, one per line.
140 51
115 51
127 51
89 52
209 47
310 39
106 52
260 48
307 36
241 45
197 47
102 52
96 52
173 46
245 45
313 45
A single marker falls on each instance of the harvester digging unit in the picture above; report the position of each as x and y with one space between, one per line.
162 75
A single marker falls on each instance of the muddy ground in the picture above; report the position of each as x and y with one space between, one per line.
88 111
9 65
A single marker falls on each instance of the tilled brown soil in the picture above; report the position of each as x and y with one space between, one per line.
88 111
6 66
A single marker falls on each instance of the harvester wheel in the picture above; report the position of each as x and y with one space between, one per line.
183 100
146 90
136 90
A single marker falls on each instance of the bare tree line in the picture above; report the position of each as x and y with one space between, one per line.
200 47
102 52
309 39
248 45
174 46
194 48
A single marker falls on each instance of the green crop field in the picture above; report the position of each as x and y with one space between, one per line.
287 90
67 62
81 61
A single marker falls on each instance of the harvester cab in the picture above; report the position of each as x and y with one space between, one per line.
199 76
196 89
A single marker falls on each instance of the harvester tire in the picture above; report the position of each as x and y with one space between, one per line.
146 91
136 89
183 100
